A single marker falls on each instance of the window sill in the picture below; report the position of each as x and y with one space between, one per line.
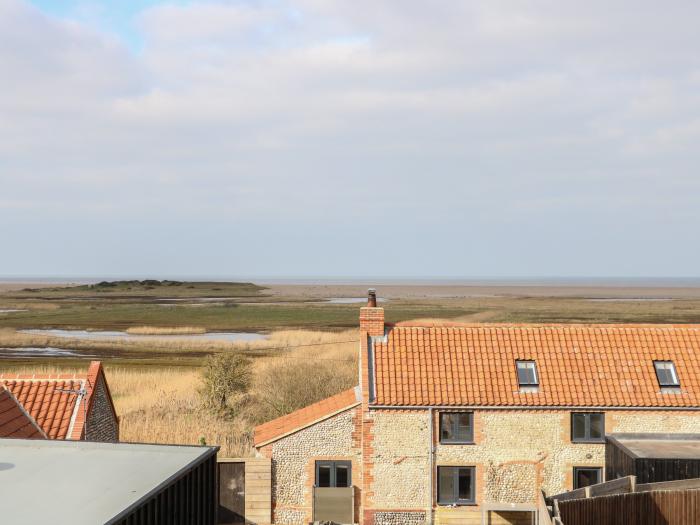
588 442
457 443
533 389
454 505
670 390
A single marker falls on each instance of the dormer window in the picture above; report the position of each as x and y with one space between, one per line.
666 374
527 374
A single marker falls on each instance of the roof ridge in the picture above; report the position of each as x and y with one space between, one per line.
459 324
35 379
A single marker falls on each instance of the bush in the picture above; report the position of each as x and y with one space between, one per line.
284 386
223 376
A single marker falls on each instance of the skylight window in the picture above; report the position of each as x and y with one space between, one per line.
666 374
527 373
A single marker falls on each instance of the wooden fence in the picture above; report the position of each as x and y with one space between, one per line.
665 507
616 486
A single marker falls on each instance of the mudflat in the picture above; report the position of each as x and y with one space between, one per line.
471 291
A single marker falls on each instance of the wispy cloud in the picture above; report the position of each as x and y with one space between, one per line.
337 138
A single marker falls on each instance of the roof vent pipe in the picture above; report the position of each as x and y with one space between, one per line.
372 298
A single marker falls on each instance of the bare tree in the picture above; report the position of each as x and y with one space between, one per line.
223 376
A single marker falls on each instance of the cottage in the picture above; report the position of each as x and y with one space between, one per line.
459 423
58 406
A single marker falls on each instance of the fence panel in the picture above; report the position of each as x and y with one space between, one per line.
673 507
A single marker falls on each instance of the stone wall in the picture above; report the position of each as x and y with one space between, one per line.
102 424
515 452
401 465
294 458
399 518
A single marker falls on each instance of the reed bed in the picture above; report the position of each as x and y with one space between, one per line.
165 330
279 341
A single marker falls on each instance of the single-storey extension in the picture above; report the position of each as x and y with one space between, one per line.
79 482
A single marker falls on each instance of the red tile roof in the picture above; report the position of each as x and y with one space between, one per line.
579 365
304 417
14 421
57 402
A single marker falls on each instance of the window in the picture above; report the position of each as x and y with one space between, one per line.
456 485
666 374
527 373
457 427
587 476
588 427
333 474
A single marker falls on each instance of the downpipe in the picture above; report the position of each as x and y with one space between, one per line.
431 461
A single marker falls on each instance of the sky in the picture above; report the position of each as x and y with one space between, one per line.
359 138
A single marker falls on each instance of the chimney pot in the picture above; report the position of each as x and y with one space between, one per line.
372 298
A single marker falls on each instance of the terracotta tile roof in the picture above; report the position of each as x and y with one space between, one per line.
578 365
60 414
304 417
53 410
14 421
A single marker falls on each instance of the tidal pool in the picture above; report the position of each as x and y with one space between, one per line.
39 352
109 334
351 300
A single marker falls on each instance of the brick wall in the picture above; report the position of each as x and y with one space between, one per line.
102 424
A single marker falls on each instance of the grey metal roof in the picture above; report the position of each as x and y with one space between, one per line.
77 482
659 446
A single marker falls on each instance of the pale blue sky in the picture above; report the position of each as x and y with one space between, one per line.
118 17
384 138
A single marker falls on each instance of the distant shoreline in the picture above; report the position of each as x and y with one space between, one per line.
604 282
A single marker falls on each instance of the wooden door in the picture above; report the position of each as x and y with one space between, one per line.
231 493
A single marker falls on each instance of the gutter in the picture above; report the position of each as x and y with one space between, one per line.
529 407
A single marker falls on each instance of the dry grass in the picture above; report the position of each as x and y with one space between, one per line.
164 330
162 405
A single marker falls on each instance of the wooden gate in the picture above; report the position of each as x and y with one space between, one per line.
231 493
245 491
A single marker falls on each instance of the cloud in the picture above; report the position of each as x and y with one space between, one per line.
330 121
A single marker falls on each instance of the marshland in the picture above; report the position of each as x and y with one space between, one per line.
155 336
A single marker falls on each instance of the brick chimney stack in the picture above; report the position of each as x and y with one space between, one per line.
372 316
